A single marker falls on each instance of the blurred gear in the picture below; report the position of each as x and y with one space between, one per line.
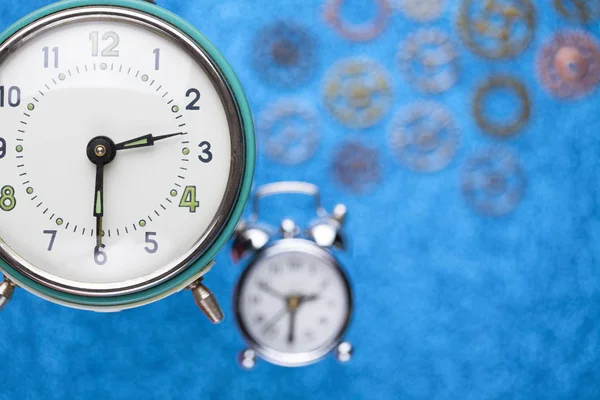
290 132
357 32
502 84
356 166
578 10
420 10
568 65
284 54
429 61
424 137
497 28
493 182
357 92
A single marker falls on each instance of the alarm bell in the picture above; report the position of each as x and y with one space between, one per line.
248 238
327 231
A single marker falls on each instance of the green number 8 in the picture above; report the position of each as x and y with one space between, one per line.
8 201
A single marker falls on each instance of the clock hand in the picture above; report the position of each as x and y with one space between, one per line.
143 141
293 303
308 299
292 329
100 151
99 203
267 289
275 319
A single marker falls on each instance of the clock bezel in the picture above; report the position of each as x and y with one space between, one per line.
194 264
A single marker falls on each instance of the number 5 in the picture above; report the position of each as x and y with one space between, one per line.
153 242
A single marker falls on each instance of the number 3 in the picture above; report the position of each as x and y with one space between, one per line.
206 155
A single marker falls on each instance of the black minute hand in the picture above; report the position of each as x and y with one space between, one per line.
100 151
143 141
99 202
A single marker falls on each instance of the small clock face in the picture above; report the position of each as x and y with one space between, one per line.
117 147
294 303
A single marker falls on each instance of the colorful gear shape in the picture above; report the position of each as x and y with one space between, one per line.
357 167
284 54
420 10
424 137
290 132
429 61
493 182
497 29
357 32
502 83
578 10
357 92
568 65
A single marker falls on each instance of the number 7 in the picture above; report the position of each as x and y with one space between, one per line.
53 233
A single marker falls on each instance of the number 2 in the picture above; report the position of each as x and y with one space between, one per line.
192 106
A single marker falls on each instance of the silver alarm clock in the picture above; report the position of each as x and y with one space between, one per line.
293 302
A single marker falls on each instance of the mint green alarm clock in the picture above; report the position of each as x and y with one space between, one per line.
126 155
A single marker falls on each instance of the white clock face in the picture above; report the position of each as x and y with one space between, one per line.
294 302
112 86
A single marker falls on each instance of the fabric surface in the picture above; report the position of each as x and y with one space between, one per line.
450 304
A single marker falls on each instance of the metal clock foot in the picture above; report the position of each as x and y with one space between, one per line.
343 353
7 289
247 359
207 302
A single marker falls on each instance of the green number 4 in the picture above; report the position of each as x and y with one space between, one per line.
188 199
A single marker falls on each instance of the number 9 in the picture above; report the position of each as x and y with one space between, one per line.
2 147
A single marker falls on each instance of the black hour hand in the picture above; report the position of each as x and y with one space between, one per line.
143 141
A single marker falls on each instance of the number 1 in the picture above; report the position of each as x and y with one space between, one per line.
156 53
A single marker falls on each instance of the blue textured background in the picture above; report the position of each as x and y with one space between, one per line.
450 305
